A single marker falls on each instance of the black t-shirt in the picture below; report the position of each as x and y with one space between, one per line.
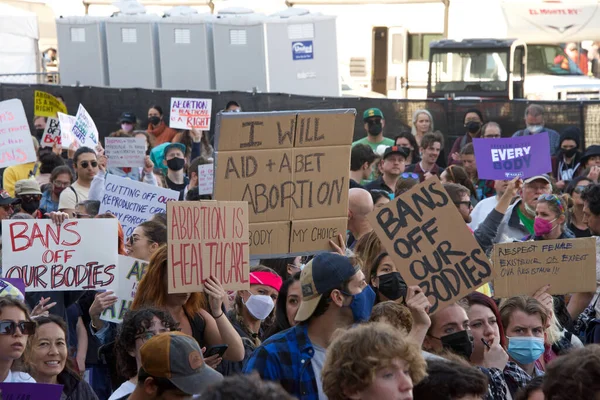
180 187
579 233
354 184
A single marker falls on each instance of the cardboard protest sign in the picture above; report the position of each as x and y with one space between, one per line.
134 202
46 105
206 176
66 130
16 146
190 113
207 238
84 129
292 169
125 152
430 243
507 158
568 265
30 391
51 133
130 273
47 256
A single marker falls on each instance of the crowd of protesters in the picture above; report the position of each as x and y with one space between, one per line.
337 325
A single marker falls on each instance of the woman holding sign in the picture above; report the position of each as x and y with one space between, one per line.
199 315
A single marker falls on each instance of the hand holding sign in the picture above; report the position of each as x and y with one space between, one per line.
216 296
546 300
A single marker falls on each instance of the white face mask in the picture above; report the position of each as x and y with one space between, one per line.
535 128
259 305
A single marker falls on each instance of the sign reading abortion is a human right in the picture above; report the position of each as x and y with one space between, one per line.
507 158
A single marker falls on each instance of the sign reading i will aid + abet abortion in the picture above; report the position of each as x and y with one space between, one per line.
190 113
429 242
292 169
16 145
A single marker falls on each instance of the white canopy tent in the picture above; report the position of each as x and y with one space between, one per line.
19 53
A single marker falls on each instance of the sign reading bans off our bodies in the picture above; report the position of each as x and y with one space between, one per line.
429 241
207 239
568 265
292 169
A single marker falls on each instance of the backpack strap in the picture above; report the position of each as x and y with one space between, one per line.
76 196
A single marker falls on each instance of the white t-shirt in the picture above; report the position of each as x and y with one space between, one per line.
317 364
482 210
18 377
69 200
126 388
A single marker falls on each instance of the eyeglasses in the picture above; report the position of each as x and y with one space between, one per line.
61 184
29 198
410 175
85 164
467 203
552 198
10 327
579 189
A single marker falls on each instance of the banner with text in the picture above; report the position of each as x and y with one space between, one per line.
134 202
85 130
292 169
16 146
130 272
507 158
206 175
60 257
190 113
46 105
568 265
125 152
429 242
66 130
207 238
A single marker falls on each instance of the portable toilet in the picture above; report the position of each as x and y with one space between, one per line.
240 50
302 53
186 50
133 54
82 51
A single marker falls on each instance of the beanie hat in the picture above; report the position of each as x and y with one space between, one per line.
571 133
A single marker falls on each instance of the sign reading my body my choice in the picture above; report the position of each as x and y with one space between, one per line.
507 158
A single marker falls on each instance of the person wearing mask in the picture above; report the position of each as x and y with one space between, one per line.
86 164
566 164
15 173
422 124
16 326
232 106
409 142
175 162
286 307
451 380
576 221
491 130
128 122
374 124
473 121
519 218
334 295
157 128
431 145
137 328
372 362
39 125
250 309
200 315
46 359
362 159
172 367
28 191
360 204
392 166
484 207
535 123
551 215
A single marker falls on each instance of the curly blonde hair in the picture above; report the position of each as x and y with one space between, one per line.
357 354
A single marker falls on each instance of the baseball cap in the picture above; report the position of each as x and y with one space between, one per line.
543 177
7 289
128 117
170 146
5 198
372 112
395 150
27 186
177 357
323 273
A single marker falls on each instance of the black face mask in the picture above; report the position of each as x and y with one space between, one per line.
30 207
570 153
392 286
473 126
176 164
375 128
460 343
154 120
39 132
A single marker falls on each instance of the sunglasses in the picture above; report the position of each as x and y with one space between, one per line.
467 203
28 198
579 189
410 175
85 164
374 121
10 327
552 198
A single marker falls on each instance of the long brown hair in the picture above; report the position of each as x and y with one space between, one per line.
152 291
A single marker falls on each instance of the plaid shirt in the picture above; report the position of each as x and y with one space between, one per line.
286 357
516 377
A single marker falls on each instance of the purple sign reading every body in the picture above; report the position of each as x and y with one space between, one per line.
507 158
30 391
